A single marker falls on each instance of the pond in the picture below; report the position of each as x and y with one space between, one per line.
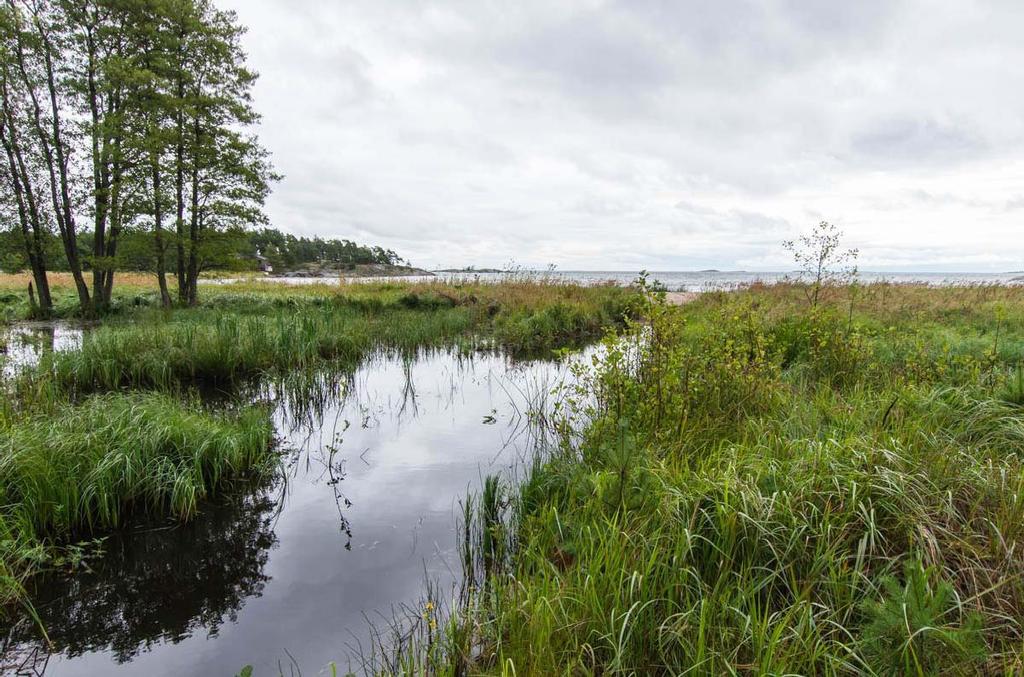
292 574
22 344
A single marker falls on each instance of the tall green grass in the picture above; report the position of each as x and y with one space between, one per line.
757 487
86 466
227 348
238 336
76 470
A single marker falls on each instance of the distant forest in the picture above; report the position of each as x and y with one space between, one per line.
284 251
233 249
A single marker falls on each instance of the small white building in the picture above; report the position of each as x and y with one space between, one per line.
263 264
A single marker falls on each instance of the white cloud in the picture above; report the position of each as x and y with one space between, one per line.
647 134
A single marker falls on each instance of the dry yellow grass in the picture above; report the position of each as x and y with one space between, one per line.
20 281
885 300
678 298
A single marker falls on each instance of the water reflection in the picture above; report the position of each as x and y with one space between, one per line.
362 515
163 583
26 342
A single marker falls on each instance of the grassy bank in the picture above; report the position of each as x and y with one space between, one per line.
750 484
132 290
74 471
257 329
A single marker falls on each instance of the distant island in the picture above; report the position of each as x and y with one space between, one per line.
352 270
285 255
470 269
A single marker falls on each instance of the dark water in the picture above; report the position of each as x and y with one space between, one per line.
363 514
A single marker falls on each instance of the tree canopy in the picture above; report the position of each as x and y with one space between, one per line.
284 251
228 248
125 122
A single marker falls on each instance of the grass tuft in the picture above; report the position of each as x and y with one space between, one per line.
78 470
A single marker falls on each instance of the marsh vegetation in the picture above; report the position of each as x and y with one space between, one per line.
781 479
788 478
158 417
814 477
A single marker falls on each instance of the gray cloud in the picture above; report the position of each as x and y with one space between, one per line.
646 133
916 141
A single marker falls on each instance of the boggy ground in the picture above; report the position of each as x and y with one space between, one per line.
119 427
752 484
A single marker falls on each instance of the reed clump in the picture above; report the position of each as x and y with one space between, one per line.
750 484
237 336
75 471
210 348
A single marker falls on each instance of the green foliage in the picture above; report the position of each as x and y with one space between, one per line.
826 343
821 261
285 251
224 250
919 628
153 99
737 480
535 330
1013 390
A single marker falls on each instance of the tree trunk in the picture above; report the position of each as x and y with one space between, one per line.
161 269
100 171
115 222
28 207
56 162
30 239
194 223
62 207
193 273
179 192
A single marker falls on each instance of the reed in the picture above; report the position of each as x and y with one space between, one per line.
238 336
224 349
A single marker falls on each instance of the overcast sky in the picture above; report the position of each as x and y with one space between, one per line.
642 134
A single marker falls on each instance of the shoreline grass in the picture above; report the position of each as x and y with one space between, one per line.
745 483
756 486
75 471
272 329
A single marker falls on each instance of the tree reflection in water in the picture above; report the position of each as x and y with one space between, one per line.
158 583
